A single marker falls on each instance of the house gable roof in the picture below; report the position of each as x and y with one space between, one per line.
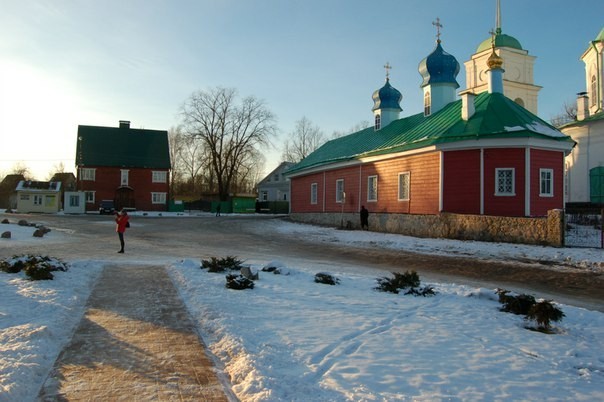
282 168
122 147
41 186
496 116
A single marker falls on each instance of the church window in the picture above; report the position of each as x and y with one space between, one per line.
546 178
372 187
404 184
378 121
504 182
519 101
427 104
594 90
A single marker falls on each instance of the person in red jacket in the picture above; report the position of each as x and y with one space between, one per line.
122 221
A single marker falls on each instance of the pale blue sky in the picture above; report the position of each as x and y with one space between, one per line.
64 63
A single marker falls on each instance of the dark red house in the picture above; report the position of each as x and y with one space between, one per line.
129 166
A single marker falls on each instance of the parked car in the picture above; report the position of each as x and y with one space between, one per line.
106 207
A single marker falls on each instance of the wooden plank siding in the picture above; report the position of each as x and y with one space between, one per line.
424 187
542 159
461 181
504 158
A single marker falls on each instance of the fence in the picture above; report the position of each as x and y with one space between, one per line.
584 226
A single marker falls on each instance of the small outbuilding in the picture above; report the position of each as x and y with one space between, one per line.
38 196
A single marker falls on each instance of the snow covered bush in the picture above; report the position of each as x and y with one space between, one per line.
544 313
35 267
221 264
238 282
515 304
408 280
327 279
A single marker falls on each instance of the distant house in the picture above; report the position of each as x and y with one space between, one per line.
129 166
38 196
275 186
8 194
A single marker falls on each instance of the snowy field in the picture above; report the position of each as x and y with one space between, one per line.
290 339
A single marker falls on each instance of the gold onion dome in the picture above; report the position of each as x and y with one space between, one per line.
494 60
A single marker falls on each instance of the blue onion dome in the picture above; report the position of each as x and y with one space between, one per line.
387 97
439 67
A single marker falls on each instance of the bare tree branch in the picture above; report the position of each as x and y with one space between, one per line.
305 138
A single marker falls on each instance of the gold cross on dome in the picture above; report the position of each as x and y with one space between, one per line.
438 26
388 67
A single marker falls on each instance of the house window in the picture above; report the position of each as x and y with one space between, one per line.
276 177
88 174
284 196
546 179
313 193
372 183
340 195
49 201
158 198
427 104
74 200
404 181
124 179
378 121
265 196
504 182
37 200
594 90
24 197
159 177
89 197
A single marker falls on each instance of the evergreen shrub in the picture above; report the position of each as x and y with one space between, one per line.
326 279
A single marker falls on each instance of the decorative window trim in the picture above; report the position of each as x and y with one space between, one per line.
546 182
314 188
404 194
378 122
159 176
88 174
372 188
501 189
340 192
158 198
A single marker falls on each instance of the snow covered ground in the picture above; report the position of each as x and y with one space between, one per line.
291 339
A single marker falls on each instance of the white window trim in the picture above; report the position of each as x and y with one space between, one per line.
158 198
513 192
124 177
38 199
369 188
92 198
398 194
88 174
314 193
340 193
551 182
159 176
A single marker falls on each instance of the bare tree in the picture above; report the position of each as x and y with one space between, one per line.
568 114
357 127
229 131
22 169
305 139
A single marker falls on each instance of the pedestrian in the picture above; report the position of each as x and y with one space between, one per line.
122 221
364 218
218 209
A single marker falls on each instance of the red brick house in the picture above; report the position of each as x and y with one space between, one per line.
128 166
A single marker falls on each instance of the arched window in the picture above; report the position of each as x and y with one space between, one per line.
519 101
378 122
594 90
427 103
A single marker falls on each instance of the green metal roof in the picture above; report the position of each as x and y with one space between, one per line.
122 147
501 40
587 120
496 116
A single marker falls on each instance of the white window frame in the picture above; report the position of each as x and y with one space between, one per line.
264 196
74 200
314 188
505 192
159 176
90 196
404 192
124 173
88 174
372 188
38 199
340 191
158 198
547 181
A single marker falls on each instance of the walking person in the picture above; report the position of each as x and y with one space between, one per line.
122 221
364 218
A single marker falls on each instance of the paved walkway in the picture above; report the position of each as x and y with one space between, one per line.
136 342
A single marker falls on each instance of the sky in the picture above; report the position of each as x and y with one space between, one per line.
66 63
297 338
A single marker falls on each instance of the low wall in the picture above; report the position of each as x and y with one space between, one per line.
543 231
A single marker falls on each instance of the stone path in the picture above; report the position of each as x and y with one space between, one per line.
136 342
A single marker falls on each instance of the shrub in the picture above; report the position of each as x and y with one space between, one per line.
220 265
425 291
327 279
409 279
238 282
544 313
519 304
35 268
37 272
5 266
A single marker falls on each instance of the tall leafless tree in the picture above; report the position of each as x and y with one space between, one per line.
230 131
568 114
357 127
305 139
